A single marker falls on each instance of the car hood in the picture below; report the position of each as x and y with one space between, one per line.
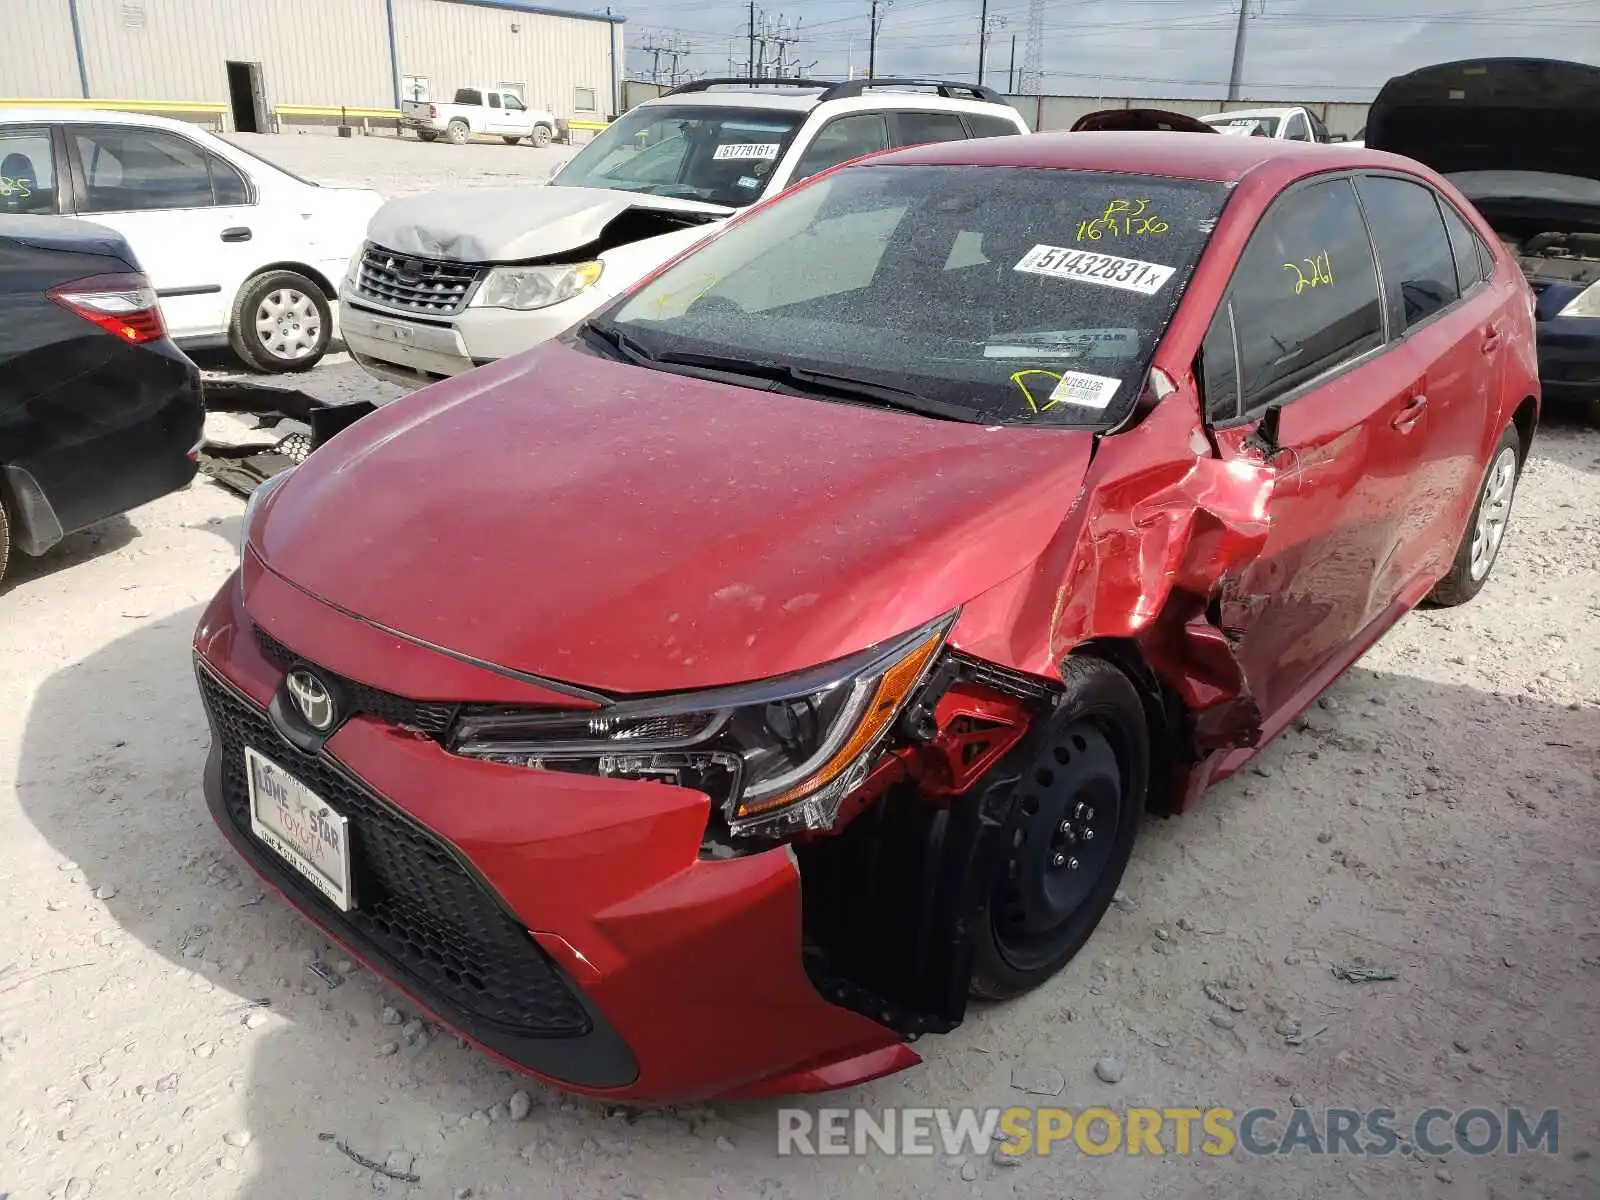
1494 114
513 224
635 531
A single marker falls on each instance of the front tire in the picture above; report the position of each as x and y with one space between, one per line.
281 323
458 133
541 136
1486 527
5 539
1067 843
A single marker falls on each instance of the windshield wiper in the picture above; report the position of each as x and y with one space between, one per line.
614 339
806 382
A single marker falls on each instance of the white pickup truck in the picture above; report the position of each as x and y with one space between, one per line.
478 110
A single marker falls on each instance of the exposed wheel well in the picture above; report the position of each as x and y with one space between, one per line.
1162 710
1525 418
330 292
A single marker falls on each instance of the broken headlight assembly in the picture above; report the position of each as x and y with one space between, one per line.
527 288
1585 304
777 757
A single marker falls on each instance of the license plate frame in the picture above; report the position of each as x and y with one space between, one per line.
300 827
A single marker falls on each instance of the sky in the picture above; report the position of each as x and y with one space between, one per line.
1294 49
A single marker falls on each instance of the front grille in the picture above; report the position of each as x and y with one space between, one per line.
432 718
419 285
424 913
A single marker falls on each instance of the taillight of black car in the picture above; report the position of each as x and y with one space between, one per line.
123 305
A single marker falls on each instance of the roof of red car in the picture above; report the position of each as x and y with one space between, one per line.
1177 155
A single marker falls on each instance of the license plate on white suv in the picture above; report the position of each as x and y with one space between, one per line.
304 830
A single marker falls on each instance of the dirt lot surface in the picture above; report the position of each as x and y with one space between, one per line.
1435 814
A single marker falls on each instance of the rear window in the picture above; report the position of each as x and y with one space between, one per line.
1015 294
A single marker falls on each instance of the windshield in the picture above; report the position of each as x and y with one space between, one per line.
999 294
691 152
1246 126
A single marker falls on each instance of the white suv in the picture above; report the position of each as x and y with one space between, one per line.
448 281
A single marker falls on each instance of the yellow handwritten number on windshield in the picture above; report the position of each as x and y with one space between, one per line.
1122 218
1019 378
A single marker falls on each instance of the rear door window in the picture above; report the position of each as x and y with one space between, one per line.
841 140
27 170
1464 247
917 128
1419 270
983 125
1304 295
1297 130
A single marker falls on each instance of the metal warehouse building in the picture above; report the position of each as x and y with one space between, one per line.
241 63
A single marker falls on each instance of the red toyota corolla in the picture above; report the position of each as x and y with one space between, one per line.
709 702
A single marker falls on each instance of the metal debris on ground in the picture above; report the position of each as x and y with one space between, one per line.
325 973
1363 974
362 1160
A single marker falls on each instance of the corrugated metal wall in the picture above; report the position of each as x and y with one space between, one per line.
310 51
459 45
37 58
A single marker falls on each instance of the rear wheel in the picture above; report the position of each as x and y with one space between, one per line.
1486 528
1070 835
281 322
541 136
5 539
458 133
427 135
510 141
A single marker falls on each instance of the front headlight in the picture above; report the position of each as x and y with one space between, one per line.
527 288
252 506
779 756
352 273
1585 304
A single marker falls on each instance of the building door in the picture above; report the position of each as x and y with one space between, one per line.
247 97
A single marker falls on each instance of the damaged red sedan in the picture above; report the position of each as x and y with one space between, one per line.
710 702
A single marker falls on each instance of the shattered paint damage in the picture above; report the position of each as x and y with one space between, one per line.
1145 571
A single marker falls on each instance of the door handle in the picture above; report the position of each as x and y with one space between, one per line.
237 234
1491 339
1408 416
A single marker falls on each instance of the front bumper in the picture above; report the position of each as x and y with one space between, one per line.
404 349
564 923
1569 358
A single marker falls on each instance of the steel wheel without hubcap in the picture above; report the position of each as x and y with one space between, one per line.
1494 512
1061 847
288 324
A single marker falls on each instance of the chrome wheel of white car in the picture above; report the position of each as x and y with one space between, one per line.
1494 512
288 324
281 322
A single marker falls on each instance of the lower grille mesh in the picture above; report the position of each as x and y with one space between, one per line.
417 904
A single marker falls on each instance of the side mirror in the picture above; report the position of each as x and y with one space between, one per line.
1265 436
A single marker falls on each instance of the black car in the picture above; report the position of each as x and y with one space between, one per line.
1520 137
99 411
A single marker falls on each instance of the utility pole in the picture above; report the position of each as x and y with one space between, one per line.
753 39
872 45
1011 76
1236 75
986 29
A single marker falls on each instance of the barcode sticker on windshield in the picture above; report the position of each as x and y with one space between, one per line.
1107 270
747 151
1083 390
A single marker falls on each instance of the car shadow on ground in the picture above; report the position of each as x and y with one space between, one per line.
104 537
313 1067
1567 437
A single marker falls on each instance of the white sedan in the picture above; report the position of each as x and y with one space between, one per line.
240 252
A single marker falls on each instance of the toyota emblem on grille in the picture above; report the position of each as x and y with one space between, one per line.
311 697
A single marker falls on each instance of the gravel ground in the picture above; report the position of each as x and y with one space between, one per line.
1435 814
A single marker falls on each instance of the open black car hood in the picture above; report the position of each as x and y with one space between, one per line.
1493 114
